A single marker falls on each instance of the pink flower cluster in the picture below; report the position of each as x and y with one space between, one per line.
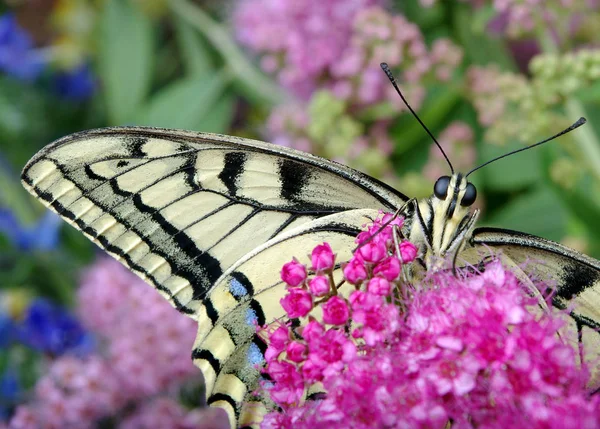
146 344
299 40
462 349
348 325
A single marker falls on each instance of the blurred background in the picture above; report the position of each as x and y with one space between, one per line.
79 342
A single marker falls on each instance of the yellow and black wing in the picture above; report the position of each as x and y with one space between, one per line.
208 220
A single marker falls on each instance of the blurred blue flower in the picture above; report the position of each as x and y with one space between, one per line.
77 85
41 236
18 57
7 330
10 390
51 329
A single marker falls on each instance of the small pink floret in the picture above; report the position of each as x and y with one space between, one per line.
408 251
373 251
293 273
355 271
388 268
336 311
322 258
296 351
379 286
319 286
297 303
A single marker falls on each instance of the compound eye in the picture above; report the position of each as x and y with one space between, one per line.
440 189
470 195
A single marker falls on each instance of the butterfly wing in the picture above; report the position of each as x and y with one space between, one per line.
577 278
203 218
227 348
179 208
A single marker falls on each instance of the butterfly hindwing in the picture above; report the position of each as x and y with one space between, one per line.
227 348
180 208
577 278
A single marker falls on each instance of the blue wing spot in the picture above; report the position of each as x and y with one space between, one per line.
255 356
237 289
251 317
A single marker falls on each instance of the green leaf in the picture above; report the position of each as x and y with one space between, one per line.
184 103
539 212
580 200
219 118
194 50
513 172
125 56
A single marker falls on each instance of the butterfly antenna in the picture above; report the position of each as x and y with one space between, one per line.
577 124
390 76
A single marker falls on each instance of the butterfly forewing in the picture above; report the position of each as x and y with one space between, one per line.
181 208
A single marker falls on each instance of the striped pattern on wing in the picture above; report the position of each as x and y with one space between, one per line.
180 208
227 348
577 279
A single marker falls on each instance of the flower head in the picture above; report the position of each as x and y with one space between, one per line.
297 302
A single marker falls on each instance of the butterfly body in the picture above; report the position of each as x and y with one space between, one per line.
209 220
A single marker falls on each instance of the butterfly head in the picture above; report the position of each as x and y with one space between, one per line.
444 221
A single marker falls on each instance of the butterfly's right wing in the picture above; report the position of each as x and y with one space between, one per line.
576 277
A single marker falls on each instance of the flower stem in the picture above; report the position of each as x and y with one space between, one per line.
258 85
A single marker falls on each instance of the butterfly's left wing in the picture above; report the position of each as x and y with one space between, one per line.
577 278
179 208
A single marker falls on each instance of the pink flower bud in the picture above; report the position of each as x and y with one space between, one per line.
373 251
278 340
296 352
336 311
322 257
313 330
355 271
398 221
293 273
297 303
408 251
312 370
388 268
280 337
357 298
319 286
379 286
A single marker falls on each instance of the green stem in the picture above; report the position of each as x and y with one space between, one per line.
218 35
586 138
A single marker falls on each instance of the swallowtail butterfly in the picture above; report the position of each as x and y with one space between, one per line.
209 220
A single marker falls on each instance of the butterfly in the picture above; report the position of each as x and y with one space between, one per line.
209 220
